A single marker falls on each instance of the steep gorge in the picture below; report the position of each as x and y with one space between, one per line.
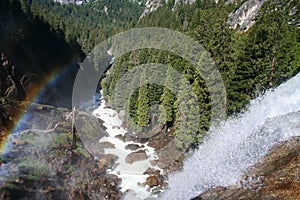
31 51
31 55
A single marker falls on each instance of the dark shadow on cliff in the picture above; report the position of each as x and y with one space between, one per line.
33 53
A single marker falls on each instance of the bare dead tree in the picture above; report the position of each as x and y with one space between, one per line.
272 67
73 129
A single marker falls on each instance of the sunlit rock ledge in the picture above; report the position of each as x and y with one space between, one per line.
77 2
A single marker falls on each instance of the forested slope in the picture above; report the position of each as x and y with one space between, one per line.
30 55
88 24
250 62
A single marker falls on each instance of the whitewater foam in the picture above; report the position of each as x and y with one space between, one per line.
239 142
132 174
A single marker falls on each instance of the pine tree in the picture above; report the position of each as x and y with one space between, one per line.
202 93
168 97
187 116
118 83
131 96
143 101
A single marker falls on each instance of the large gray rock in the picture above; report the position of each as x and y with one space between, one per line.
244 17
153 5
77 2
136 156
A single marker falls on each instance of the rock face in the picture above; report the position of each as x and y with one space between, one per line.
228 193
183 2
244 17
153 5
25 63
12 84
276 176
77 2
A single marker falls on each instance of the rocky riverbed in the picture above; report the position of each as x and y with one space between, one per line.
132 159
40 163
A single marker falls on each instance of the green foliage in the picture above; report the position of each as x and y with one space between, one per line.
168 99
187 116
89 24
249 63
82 151
37 168
143 101
265 57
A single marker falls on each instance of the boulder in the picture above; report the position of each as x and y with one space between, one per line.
132 147
136 156
107 145
122 115
120 137
152 181
128 137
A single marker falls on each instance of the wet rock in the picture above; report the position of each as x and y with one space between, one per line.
124 125
122 115
114 177
136 156
276 177
154 131
277 174
107 145
151 171
156 144
107 161
103 188
120 137
227 193
152 181
89 129
132 147
128 137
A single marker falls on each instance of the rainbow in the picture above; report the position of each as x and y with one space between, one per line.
34 95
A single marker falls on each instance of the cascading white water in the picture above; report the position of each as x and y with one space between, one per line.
131 173
240 142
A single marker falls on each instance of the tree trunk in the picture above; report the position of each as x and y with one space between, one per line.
73 130
272 67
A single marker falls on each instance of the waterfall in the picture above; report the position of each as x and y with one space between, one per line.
239 142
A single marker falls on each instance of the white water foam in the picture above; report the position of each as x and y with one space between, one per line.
131 174
240 142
